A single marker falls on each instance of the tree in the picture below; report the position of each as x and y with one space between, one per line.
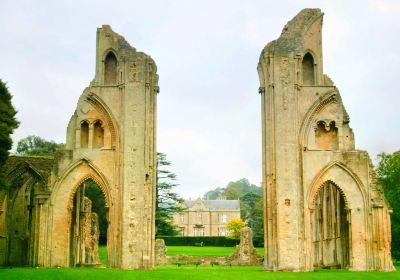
167 202
234 190
36 146
234 226
214 194
251 210
388 171
8 123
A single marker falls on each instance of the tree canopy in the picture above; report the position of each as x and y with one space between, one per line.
388 171
37 146
234 226
167 201
234 190
8 123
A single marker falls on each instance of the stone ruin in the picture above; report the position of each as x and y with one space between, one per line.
245 253
323 205
89 224
160 252
110 140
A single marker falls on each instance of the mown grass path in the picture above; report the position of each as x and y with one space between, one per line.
185 272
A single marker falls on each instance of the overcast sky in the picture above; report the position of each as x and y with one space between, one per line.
207 52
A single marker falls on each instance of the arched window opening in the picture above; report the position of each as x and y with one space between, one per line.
84 134
330 228
98 135
110 69
308 70
326 136
89 226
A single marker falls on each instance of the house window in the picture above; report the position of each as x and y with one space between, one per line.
181 231
223 218
199 217
181 218
222 231
198 231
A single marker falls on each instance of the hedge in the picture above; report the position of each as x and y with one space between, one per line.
219 241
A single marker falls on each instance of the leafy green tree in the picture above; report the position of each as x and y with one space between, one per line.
234 190
251 211
167 201
8 123
36 146
232 193
388 171
214 194
234 226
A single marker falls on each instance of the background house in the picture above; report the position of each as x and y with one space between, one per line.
206 217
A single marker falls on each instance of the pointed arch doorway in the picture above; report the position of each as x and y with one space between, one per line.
330 222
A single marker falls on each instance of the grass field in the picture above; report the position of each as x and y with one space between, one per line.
103 255
186 273
186 250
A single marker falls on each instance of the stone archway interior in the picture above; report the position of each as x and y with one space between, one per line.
86 229
330 228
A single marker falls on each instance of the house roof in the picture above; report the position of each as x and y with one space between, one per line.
216 204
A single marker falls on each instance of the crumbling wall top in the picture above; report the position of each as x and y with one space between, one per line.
291 39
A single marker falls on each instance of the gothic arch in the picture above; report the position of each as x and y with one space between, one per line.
24 172
95 174
318 105
355 195
99 104
308 69
98 181
312 200
110 69
320 179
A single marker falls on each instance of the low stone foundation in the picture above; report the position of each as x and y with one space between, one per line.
245 254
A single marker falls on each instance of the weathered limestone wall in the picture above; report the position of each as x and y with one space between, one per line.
307 141
124 167
111 140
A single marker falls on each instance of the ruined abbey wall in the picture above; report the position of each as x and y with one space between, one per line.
323 207
111 140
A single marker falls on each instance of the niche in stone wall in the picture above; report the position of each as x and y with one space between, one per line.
326 135
110 69
308 70
98 135
84 134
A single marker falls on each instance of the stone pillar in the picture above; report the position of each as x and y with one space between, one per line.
245 253
160 252
89 225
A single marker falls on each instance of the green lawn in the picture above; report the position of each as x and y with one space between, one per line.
203 251
103 254
185 273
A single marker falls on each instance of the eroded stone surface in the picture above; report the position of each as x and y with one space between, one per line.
245 253
160 252
323 206
110 140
